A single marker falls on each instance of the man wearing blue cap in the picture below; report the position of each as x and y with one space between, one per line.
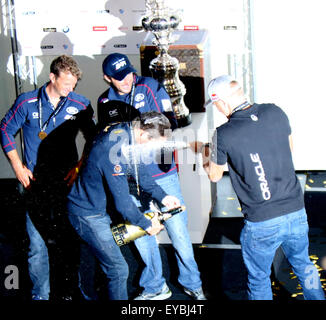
146 94
143 93
256 143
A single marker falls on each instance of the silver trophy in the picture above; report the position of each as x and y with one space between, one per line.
161 21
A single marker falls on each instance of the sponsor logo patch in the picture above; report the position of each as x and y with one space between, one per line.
72 110
120 64
117 169
260 172
139 97
69 117
140 105
105 100
113 113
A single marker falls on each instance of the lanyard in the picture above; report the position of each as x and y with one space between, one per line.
53 114
241 107
131 102
132 96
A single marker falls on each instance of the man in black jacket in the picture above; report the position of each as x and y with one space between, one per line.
256 144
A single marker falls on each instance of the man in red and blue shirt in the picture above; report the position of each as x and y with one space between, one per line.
50 118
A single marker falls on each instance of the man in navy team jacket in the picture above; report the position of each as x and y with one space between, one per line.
50 118
102 190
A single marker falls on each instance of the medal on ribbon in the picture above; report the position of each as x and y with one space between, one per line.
42 135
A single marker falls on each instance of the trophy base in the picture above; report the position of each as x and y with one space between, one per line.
184 121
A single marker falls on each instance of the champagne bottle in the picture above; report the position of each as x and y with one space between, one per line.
126 232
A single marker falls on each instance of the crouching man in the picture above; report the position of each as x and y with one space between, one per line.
102 190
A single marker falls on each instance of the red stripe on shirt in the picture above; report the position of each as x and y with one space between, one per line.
160 174
7 122
77 102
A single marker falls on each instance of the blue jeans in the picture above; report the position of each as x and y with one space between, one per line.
152 276
38 262
260 240
95 230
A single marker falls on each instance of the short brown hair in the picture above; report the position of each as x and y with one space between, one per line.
65 63
154 123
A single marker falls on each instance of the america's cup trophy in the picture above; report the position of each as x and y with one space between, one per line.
161 21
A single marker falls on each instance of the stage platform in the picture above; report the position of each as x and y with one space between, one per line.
218 257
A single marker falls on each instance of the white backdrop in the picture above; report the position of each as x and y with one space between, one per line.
83 27
289 56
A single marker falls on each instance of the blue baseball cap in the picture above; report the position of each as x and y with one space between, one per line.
117 66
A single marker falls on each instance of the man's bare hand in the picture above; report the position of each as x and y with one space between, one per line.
156 226
171 202
24 175
196 146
